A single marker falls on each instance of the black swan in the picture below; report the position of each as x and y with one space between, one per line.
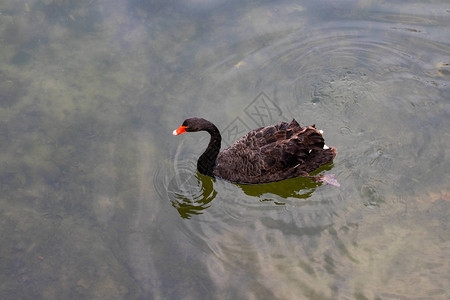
263 155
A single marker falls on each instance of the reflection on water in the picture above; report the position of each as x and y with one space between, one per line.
188 201
191 192
93 184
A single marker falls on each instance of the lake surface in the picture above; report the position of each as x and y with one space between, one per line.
100 201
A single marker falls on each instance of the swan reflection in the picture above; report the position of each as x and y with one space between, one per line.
191 192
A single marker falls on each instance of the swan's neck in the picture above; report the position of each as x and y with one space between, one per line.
207 160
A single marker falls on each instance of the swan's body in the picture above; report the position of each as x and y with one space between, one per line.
263 155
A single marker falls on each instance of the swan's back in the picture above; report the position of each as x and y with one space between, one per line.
274 153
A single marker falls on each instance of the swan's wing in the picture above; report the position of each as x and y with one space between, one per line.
263 136
249 160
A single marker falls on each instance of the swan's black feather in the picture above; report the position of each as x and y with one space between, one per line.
263 155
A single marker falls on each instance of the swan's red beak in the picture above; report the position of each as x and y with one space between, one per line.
180 130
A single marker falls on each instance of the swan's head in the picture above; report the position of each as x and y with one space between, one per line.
192 125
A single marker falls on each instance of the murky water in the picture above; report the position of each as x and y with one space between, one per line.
100 201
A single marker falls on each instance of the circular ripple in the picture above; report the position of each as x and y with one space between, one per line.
187 190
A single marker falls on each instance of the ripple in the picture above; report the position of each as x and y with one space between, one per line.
191 193
344 63
230 206
187 190
378 90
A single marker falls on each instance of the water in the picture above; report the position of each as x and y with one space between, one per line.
100 201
